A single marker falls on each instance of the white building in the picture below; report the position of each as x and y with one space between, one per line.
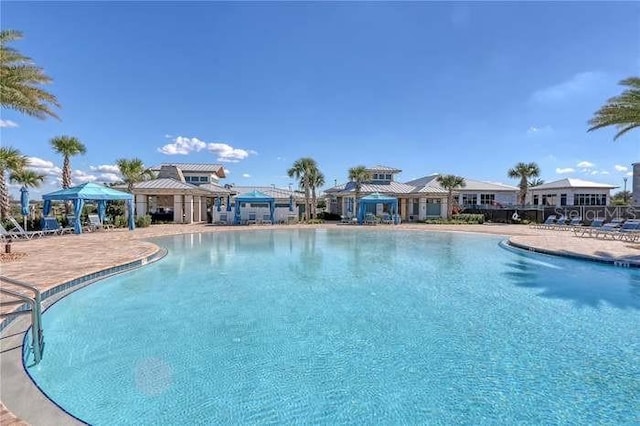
570 192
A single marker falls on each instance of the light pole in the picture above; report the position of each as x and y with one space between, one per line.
624 193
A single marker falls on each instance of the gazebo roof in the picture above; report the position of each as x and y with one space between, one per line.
254 196
88 191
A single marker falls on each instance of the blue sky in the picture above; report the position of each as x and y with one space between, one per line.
463 88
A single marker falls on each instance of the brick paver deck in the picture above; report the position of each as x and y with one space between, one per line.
54 260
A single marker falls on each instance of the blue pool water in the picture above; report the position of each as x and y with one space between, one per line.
348 326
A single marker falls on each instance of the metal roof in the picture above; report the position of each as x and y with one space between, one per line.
430 184
195 168
270 191
383 188
216 189
167 183
380 168
572 183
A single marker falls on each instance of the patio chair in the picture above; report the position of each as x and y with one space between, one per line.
370 219
222 219
345 219
266 219
387 219
551 219
628 231
586 231
17 229
50 225
95 224
568 225
251 219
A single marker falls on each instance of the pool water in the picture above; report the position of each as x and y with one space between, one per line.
348 326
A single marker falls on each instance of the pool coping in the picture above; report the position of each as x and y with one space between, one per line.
20 392
622 263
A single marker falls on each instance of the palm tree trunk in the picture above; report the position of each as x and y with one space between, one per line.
450 204
66 172
314 202
5 205
307 201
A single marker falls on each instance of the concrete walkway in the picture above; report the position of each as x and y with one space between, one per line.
51 261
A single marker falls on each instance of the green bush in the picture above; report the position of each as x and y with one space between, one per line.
469 218
143 221
120 221
328 216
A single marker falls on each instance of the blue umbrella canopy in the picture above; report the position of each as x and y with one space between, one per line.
24 200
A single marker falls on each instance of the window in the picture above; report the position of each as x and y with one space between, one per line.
487 198
549 199
563 199
535 200
204 179
590 200
468 199
387 176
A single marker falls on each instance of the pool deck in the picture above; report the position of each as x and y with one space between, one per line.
51 261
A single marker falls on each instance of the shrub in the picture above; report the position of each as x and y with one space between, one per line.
328 216
469 218
120 221
143 221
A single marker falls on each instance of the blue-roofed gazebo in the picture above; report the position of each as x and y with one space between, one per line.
253 197
89 192
377 198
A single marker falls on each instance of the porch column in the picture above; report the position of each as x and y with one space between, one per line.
423 209
177 208
188 209
197 212
203 209
140 204
403 209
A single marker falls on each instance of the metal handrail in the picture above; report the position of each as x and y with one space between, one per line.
37 335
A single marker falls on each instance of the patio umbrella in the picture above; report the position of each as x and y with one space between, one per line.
290 203
24 204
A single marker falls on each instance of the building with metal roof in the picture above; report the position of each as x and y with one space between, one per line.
570 192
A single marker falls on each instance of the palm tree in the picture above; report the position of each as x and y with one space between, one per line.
524 172
67 146
133 171
622 111
302 170
536 182
359 175
27 177
450 183
316 180
13 161
20 81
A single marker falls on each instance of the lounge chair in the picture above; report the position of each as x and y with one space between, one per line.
345 219
222 219
627 231
370 219
50 225
586 231
568 226
387 219
18 230
95 224
551 219
251 219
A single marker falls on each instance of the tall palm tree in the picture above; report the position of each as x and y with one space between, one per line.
13 161
524 172
67 146
302 169
316 180
359 175
133 171
20 81
450 183
536 182
622 111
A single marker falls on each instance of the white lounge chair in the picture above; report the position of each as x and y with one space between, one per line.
18 230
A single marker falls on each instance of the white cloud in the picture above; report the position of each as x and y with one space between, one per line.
629 173
564 170
535 130
109 177
227 171
225 153
246 175
79 176
105 168
43 167
585 165
8 123
620 168
576 85
182 146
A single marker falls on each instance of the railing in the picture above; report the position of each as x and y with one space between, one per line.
35 302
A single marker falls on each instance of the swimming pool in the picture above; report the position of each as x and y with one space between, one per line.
348 326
